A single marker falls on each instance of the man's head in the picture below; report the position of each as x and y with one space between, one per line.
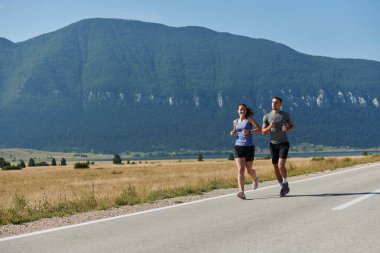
276 103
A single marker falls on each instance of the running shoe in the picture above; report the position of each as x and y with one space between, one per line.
255 183
285 188
241 195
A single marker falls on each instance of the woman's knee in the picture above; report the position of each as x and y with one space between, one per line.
250 170
241 170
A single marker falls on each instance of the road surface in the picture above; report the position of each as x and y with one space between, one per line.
329 212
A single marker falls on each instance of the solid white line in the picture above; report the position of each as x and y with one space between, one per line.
173 206
355 201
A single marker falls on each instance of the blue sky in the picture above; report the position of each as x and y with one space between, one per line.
334 28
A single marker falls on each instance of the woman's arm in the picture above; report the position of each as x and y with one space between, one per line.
256 125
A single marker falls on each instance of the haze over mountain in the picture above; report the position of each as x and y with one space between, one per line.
112 85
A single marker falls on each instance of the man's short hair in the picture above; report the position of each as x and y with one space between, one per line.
278 98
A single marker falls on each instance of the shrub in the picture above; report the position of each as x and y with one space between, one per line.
231 157
80 165
200 157
63 162
31 162
3 163
42 164
12 167
116 159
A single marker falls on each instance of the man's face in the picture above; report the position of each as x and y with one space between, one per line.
276 104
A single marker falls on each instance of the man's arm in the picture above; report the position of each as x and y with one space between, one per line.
233 131
266 126
290 125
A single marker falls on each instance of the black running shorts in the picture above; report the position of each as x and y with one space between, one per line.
278 151
247 152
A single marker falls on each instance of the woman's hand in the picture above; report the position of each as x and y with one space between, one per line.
246 131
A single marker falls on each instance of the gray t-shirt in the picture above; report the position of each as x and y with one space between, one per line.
281 118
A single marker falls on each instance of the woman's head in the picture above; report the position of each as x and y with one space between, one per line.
244 111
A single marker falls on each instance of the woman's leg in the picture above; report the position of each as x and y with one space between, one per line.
252 173
250 170
240 164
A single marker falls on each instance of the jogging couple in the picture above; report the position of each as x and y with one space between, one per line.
277 123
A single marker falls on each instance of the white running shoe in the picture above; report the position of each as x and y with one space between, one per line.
255 184
241 195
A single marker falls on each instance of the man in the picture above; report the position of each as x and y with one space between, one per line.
278 123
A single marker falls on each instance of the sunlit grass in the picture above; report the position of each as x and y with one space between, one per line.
40 192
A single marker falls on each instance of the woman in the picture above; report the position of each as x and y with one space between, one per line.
244 148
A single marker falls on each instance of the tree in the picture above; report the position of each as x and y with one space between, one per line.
21 163
231 157
63 162
53 162
3 163
31 162
200 157
117 159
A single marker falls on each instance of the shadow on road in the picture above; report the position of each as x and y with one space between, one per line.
332 194
315 195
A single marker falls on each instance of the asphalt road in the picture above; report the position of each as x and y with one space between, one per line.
330 212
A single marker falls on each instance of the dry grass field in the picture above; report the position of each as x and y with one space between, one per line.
36 192
107 180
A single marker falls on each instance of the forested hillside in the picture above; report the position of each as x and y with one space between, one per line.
112 85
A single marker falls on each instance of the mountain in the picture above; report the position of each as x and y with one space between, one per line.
111 85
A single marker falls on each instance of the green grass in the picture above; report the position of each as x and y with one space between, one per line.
321 164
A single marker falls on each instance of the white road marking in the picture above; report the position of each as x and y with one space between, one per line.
357 200
174 206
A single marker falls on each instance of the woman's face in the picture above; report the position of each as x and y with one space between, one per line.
242 110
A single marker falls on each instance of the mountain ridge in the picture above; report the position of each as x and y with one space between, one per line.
92 68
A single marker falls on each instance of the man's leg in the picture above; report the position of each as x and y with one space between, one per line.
275 154
283 154
285 186
282 168
278 173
